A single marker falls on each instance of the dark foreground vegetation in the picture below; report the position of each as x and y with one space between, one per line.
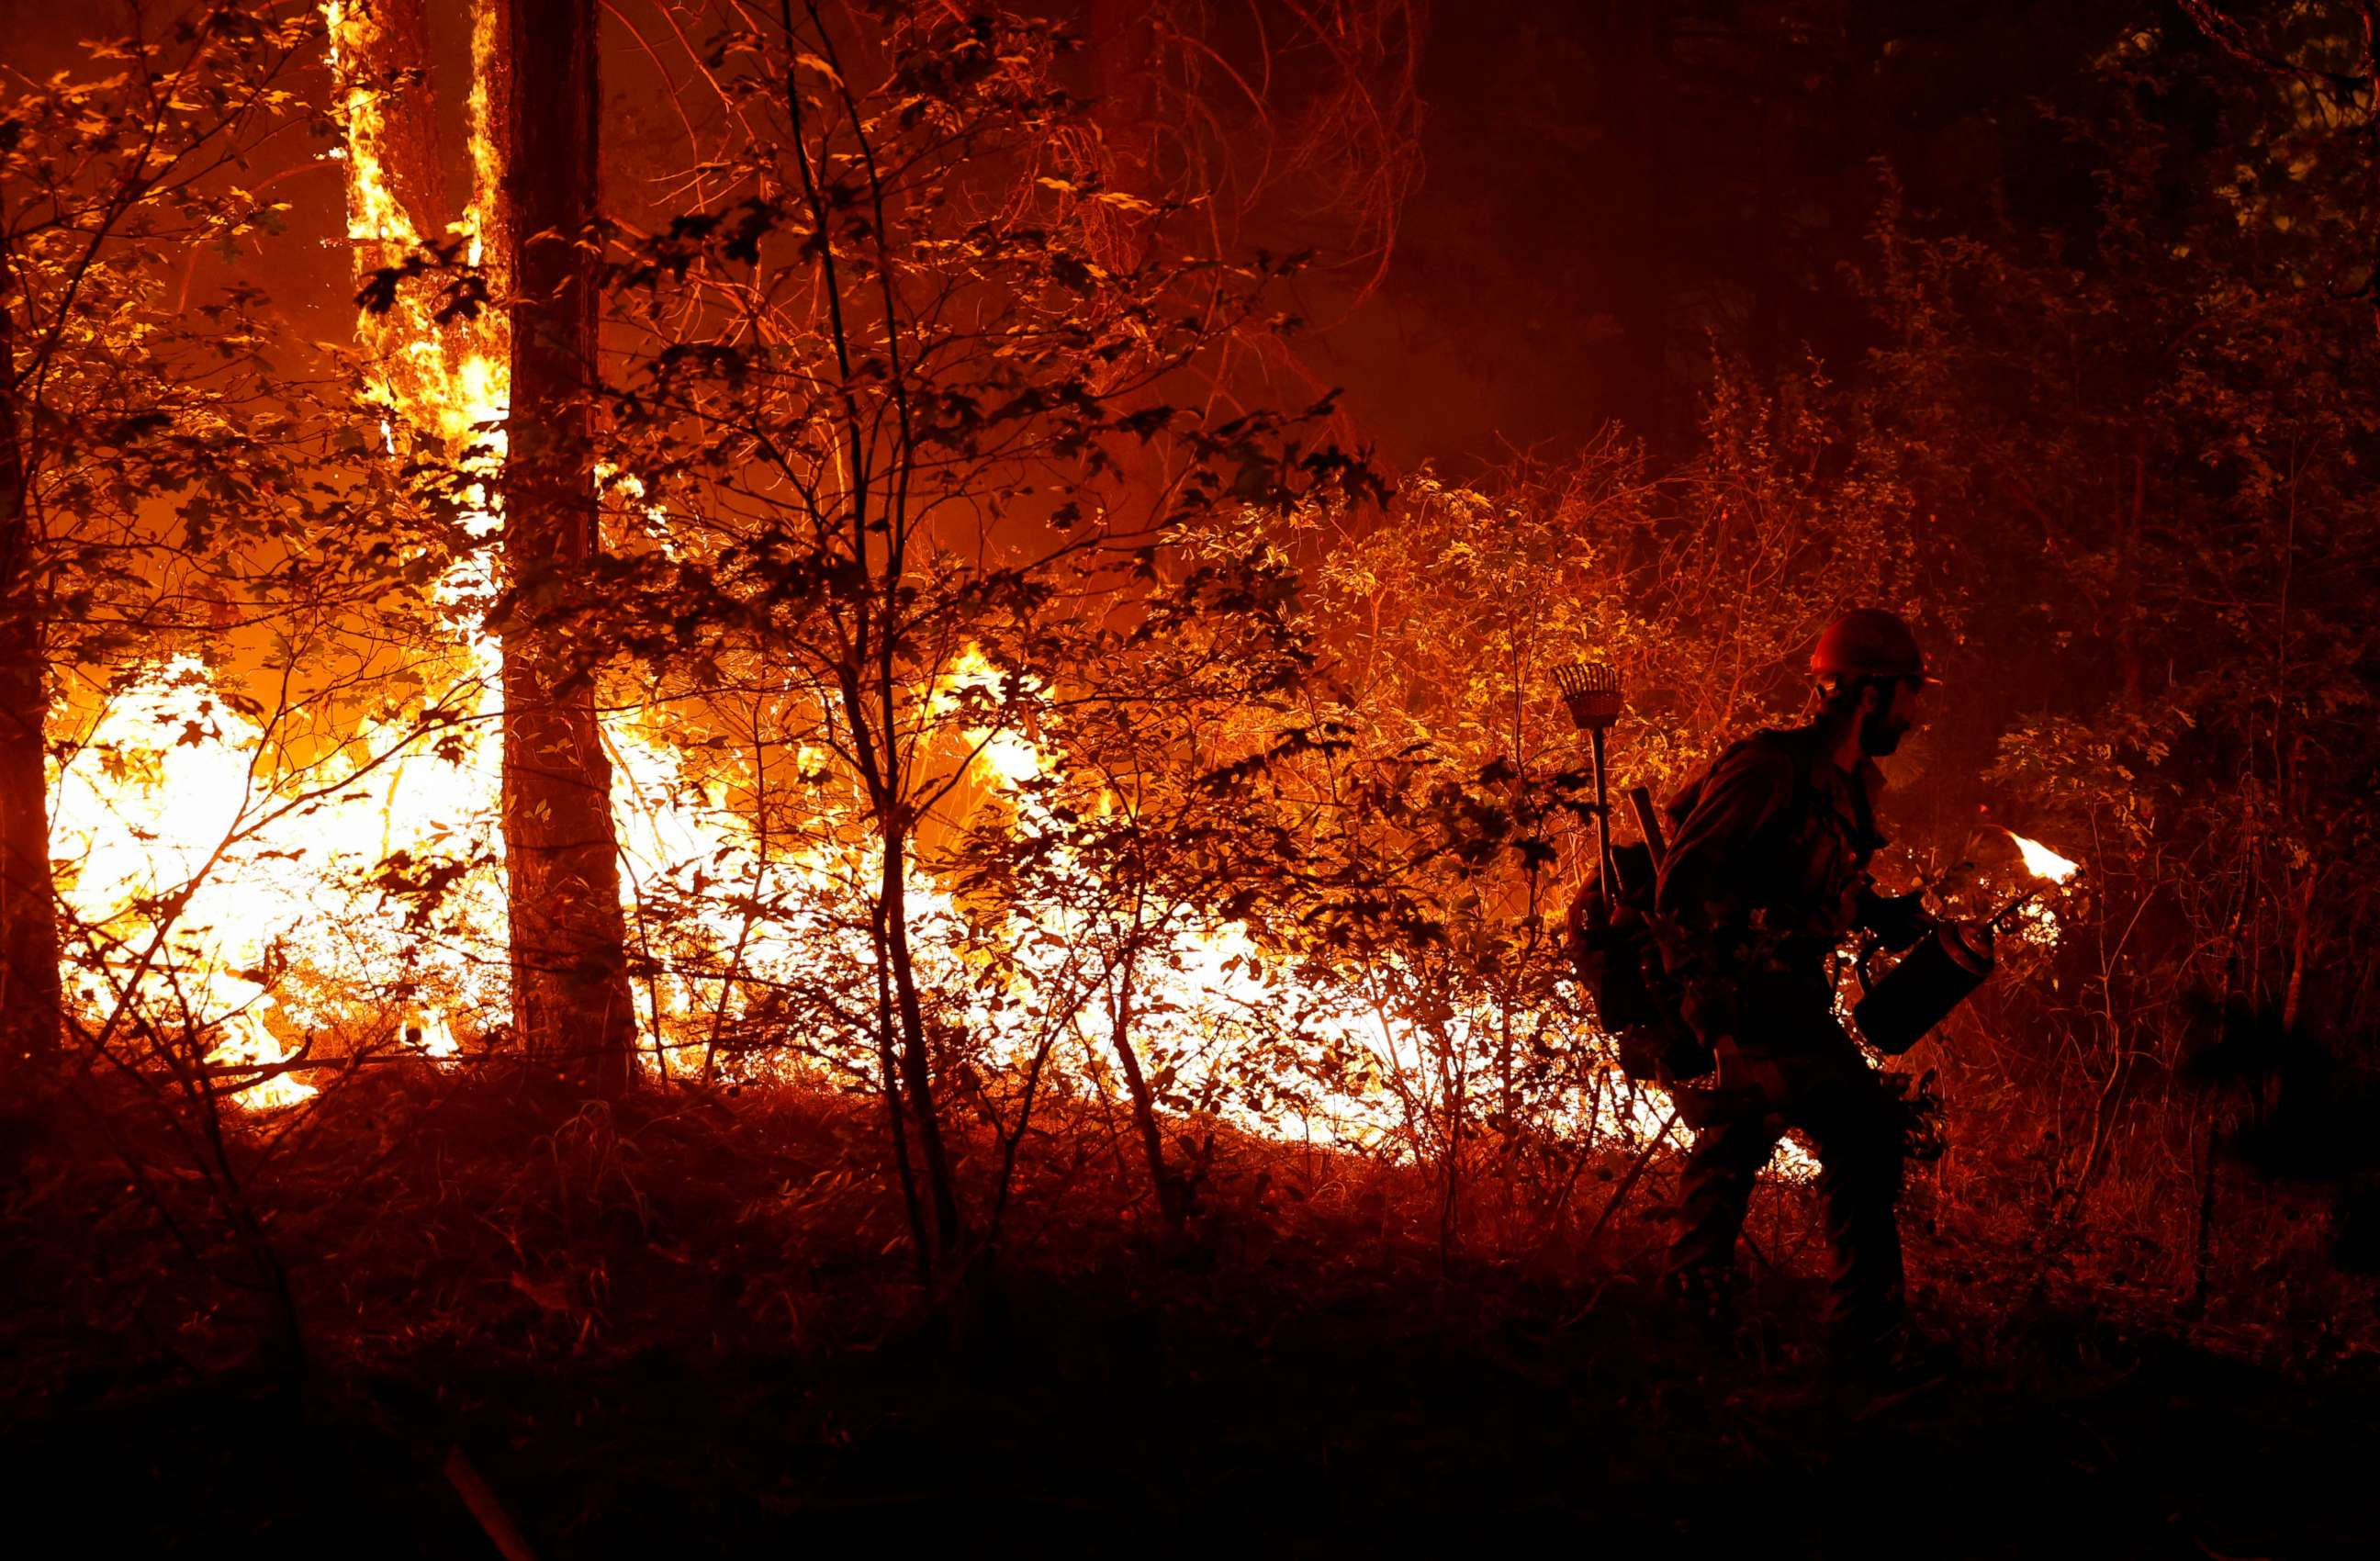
685 1327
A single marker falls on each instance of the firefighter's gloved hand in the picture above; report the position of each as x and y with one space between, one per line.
1899 921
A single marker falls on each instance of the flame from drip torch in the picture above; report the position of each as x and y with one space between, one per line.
2041 862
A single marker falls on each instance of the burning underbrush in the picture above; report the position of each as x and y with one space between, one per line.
778 844
247 926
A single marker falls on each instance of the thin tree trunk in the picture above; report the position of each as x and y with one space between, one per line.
1449 1211
571 1001
2201 1236
921 1235
917 1073
29 994
1170 1201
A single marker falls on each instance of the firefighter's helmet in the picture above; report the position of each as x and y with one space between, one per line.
1868 642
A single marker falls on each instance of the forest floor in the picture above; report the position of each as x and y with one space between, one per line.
690 1334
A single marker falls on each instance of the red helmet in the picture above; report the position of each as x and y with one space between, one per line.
1867 642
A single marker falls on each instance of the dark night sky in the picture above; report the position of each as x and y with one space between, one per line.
1610 187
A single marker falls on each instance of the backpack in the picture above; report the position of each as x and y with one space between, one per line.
1620 966
1617 960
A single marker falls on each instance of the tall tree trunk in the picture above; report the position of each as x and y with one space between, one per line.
29 997
896 1119
571 1001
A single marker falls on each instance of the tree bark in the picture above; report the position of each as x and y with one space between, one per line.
30 992
571 1002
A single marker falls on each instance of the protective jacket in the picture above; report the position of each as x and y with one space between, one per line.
1766 875
1767 872
1774 827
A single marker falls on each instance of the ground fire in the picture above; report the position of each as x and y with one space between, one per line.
1076 775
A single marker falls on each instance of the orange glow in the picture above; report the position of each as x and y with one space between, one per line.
170 774
177 799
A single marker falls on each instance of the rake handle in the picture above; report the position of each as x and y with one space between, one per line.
1603 818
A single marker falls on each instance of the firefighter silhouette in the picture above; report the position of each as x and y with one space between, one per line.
1767 875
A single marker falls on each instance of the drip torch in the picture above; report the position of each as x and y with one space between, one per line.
1945 970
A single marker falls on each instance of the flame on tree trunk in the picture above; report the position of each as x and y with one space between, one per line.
447 380
386 68
570 986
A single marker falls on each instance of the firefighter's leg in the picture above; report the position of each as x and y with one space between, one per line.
1734 1138
1856 1130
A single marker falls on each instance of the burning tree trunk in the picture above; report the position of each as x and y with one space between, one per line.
380 51
29 928
533 114
570 985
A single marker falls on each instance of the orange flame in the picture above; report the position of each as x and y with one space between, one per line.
155 824
2041 862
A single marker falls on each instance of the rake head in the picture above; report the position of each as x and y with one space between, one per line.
1591 692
